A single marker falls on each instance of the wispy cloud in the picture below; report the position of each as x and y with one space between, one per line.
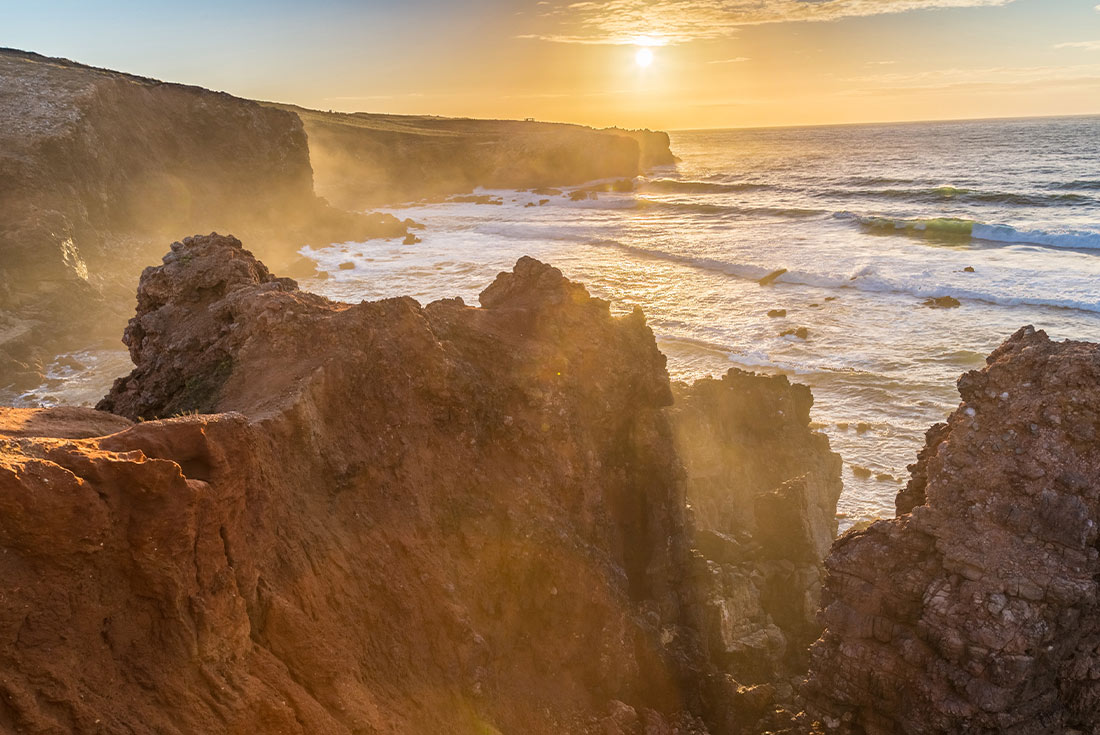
735 60
1087 45
623 22
1005 76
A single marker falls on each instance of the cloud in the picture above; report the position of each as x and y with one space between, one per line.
622 22
1001 76
735 60
1087 45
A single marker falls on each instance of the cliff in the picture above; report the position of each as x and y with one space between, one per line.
364 159
976 610
393 518
99 168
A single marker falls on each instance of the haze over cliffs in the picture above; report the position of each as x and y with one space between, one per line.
98 169
361 158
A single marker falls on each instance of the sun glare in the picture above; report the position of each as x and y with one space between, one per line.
644 57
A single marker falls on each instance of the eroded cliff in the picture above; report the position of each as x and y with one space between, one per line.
976 611
365 159
378 517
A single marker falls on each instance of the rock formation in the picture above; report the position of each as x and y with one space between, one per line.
975 610
763 489
364 158
400 518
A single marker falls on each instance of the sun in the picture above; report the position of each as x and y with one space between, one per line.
643 58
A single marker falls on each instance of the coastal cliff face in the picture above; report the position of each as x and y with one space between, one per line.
976 611
99 168
763 489
400 519
365 159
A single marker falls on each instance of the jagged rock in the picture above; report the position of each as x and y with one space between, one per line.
404 519
776 313
412 519
975 610
799 332
763 488
860 471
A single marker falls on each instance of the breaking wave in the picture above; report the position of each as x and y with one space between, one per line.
952 227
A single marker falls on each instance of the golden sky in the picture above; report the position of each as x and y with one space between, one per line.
715 63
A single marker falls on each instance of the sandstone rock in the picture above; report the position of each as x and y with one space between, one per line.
357 540
775 313
387 517
975 609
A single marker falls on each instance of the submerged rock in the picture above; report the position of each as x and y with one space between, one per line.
942 302
975 610
799 332
770 278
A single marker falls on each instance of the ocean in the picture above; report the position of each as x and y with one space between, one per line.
869 221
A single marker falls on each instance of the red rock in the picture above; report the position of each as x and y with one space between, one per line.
975 611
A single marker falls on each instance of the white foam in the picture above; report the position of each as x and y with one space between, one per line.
1072 239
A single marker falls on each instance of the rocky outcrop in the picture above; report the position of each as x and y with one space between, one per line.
763 488
98 169
977 611
365 159
401 519
388 517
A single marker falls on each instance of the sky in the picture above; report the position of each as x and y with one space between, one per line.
713 63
